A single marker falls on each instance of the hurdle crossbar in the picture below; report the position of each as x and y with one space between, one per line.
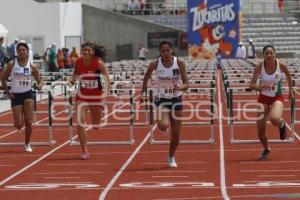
125 142
210 140
39 143
291 139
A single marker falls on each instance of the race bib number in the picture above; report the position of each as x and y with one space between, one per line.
89 84
168 92
24 83
274 87
271 88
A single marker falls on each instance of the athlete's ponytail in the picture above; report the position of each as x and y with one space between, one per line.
100 51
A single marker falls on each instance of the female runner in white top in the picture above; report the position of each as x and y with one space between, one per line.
21 93
270 72
168 98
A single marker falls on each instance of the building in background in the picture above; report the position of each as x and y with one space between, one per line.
42 24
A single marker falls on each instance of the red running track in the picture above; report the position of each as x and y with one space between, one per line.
139 171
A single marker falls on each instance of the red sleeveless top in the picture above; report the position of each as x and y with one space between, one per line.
89 84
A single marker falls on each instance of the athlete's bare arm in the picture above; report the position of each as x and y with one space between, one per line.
36 75
104 71
5 75
184 78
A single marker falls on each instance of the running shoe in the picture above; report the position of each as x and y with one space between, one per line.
282 131
171 161
265 154
84 156
27 148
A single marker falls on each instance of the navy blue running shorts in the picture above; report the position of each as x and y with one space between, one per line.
19 98
173 103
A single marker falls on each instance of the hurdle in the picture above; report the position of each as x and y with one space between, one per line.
211 110
295 84
231 90
131 124
50 133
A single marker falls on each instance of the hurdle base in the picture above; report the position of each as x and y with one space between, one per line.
289 140
209 141
75 143
52 142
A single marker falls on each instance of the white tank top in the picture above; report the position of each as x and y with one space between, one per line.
21 78
273 80
166 78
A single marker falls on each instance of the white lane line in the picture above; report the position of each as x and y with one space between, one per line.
183 163
67 177
5 113
124 166
276 175
155 152
270 162
170 176
222 156
296 134
12 132
164 171
272 170
79 164
33 163
281 181
50 152
52 173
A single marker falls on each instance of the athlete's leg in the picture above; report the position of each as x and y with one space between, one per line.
18 116
162 117
262 116
81 110
176 121
28 118
276 111
96 114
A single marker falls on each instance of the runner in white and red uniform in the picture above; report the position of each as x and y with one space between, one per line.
270 72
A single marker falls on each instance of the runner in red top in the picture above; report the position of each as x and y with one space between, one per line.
88 98
90 87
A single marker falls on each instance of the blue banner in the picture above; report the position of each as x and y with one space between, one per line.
213 28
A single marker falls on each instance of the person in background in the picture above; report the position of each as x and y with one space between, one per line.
30 53
2 58
241 51
74 56
12 49
131 7
141 7
142 52
251 53
46 57
67 58
60 59
52 59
